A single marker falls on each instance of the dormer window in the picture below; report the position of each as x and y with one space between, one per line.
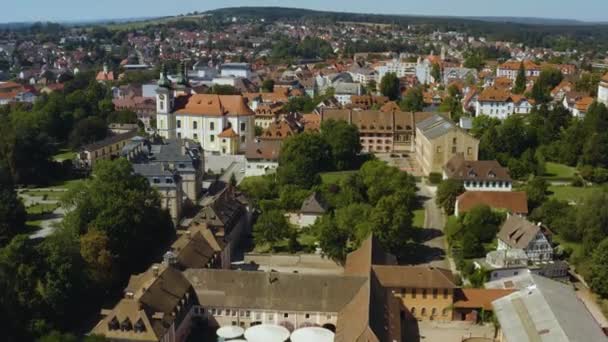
491 174
169 180
126 325
156 180
472 174
113 324
139 326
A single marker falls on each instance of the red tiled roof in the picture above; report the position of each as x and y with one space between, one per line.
478 298
515 202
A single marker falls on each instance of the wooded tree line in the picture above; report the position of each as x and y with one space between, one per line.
115 227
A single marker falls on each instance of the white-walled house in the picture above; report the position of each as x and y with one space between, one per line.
262 157
312 209
480 175
494 102
519 233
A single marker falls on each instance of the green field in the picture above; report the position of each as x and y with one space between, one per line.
37 209
571 193
335 177
557 171
64 154
47 195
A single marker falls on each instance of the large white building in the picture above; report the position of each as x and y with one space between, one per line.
222 124
396 66
602 90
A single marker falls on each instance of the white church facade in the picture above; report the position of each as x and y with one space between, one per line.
222 124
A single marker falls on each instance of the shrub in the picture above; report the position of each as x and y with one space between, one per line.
435 178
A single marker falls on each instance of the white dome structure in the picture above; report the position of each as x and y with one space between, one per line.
267 333
230 331
316 334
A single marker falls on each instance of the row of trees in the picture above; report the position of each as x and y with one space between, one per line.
115 228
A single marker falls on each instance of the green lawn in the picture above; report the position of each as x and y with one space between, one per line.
47 195
41 208
64 154
559 171
571 193
419 216
335 177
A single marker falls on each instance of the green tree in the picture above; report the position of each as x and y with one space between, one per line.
302 157
436 72
536 190
343 138
599 272
333 240
381 180
413 101
126 208
87 131
389 86
271 227
391 221
520 81
447 192
12 212
482 222
268 85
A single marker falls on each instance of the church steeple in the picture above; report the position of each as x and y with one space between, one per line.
182 75
163 80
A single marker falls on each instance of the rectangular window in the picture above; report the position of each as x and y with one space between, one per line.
211 126
435 293
307 316
469 151
195 136
212 138
242 138
445 293
243 126
179 135
438 149
413 293
286 315
195 125
424 293
179 123
454 149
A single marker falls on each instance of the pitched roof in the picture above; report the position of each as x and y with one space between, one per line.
314 204
517 232
494 94
414 276
153 297
113 139
273 290
263 149
478 298
192 249
515 202
228 133
436 126
514 65
545 311
214 105
482 170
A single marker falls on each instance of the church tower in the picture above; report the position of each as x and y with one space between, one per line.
165 119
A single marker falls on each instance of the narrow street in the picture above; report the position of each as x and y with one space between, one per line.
433 236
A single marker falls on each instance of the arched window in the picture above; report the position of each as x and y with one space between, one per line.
423 311
413 311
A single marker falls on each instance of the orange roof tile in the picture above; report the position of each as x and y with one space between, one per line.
515 202
228 133
216 105
478 298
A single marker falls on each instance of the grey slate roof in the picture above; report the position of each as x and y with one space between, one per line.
109 141
314 204
435 126
545 311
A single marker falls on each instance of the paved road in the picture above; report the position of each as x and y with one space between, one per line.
434 222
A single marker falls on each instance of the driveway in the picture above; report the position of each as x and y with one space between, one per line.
434 245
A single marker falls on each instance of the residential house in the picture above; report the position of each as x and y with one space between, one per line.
196 247
543 310
397 66
313 207
480 175
510 69
438 139
465 75
494 102
105 75
227 215
515 202
367 102
602 90
262 157
577 103
158 305
519 233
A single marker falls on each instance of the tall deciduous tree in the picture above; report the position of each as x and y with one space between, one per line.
302 158
599 271
271 227
520 80
389 86
344 141
12 212
447 192
413 101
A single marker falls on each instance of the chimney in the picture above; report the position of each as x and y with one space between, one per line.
155 271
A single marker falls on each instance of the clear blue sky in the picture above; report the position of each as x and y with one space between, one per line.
56 10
